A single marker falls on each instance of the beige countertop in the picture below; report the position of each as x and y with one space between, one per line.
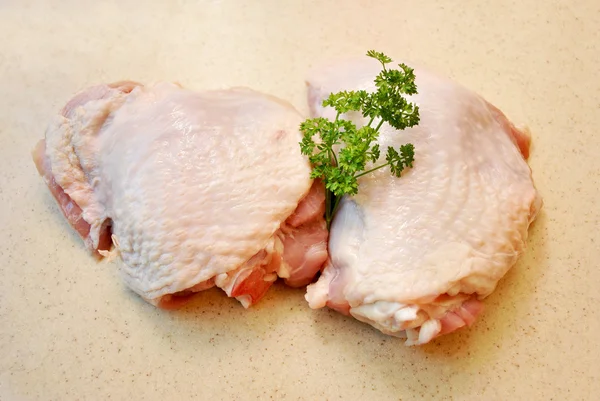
69 330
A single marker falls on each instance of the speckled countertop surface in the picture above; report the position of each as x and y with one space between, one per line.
69 330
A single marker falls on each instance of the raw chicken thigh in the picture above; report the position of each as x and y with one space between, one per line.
414 256
193 189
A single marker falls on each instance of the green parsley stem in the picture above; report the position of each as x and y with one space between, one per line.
373 169
328 213
334 210
332 153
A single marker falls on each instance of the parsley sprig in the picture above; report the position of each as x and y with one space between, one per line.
358 146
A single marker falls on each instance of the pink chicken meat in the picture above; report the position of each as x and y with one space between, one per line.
414 256
190 189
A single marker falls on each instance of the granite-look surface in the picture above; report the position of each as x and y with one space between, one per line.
69 329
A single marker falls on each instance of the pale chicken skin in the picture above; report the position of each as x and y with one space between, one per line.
193 189
414 256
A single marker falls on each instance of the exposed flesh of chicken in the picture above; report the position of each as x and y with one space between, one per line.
194 189
413 256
